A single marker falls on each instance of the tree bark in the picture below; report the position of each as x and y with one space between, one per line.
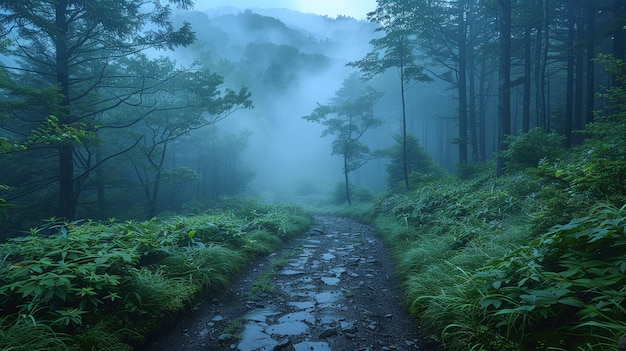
591 73
347 183
527 78
462 82
541 62
405 166
505 79
482 111
66 152
569 90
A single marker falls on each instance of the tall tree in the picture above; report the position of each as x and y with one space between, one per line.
73 43
396 49
348 116
504 105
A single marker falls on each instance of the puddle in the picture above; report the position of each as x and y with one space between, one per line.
287 328
331 280
311 346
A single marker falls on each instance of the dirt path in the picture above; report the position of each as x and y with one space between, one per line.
333 290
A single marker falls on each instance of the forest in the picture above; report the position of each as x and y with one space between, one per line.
150 150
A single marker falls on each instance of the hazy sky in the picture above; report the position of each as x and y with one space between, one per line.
353 8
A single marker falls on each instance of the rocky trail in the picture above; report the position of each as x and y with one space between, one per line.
331 289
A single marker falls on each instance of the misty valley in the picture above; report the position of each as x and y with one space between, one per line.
440 175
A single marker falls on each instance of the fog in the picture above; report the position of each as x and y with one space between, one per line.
331 8
286 153
291 62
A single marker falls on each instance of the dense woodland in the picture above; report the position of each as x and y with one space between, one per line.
483 139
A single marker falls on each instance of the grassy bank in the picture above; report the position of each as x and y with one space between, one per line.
104 286
514 263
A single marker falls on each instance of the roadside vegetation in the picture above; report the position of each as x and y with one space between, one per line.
104 286
532 260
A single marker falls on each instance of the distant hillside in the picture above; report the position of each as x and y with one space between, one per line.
225 32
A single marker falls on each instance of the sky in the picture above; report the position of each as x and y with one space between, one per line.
331 8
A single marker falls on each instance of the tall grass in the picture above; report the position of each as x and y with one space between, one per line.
481 272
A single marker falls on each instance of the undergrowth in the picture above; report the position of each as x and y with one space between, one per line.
489 264
479 272
96 286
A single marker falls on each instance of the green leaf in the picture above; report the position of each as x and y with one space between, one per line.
495 302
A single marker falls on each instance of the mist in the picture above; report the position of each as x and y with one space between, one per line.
286 152
289 62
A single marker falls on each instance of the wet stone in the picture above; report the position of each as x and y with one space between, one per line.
303 305
328 256
283 344
326 297
348 327
325 320
302 316
254 338
311 346
224 337
328 333
330 280
290 272
260 315
287 328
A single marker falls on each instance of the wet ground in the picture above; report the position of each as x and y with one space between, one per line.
333 289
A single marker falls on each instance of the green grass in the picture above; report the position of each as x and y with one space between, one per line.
263 284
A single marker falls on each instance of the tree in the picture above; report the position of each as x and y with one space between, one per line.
349 115
74 45
396 49
504 105
192 100
421 166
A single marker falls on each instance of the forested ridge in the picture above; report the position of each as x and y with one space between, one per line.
150 152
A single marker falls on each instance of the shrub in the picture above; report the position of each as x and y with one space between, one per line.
569 281
420 166
526 150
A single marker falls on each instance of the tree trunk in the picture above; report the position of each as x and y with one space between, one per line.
591 73
345 175
505 79
527 78
66 152
619 46
100 181
482 111
541 60
569 90
153 198
405 166
579 63
473 127
462 83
